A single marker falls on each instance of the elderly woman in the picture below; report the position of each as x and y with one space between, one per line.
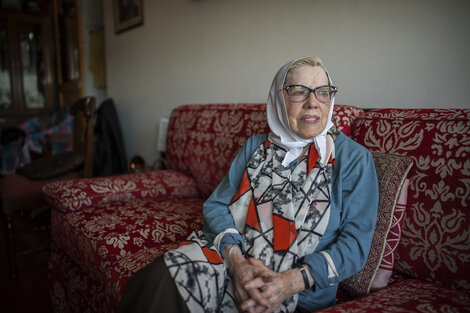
293 217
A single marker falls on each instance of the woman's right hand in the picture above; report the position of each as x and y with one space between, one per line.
243 272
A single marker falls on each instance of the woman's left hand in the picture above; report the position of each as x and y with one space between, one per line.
275 287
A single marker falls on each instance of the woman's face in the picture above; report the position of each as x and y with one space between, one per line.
307 119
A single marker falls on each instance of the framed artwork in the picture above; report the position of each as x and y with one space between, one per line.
128 14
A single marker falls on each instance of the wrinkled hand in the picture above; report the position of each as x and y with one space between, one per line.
243 273
274 287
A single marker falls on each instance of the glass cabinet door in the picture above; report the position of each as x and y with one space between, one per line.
33 67
5 68
40 57
27 80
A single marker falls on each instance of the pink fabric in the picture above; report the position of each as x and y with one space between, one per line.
384 272
79 194
396 278
435 242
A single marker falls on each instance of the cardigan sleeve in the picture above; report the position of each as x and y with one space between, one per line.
219 226
355 193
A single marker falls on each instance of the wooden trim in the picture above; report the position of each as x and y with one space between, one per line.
78 17
48 75
55 14
83 136
69 90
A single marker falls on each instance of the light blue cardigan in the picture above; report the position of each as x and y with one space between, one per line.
350 229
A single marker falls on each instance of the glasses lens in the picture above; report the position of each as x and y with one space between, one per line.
324 94
298 93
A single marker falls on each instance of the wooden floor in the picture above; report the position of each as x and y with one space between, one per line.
30 291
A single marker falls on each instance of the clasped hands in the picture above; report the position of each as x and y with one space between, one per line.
258 288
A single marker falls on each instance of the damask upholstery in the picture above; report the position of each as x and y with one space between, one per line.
435 243
344 116
105 229
411 295
72 289
212 135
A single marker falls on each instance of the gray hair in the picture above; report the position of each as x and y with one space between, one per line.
312 61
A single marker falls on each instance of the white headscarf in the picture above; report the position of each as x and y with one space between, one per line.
281 132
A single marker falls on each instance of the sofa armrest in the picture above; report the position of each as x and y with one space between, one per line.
81 193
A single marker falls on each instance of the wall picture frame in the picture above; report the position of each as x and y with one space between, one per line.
128 14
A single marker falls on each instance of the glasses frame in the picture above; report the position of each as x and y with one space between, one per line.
333 93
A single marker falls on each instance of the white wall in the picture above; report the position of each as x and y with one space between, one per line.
380 53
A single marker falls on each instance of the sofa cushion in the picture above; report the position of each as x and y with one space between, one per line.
410 295
213 134
384 272
435 243
97 237
77 194
202 140
391 174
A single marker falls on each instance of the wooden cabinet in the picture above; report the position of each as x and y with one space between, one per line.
27 73
41 67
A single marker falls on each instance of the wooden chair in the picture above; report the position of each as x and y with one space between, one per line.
21 193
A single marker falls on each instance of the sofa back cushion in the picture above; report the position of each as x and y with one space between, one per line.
202 140
435 243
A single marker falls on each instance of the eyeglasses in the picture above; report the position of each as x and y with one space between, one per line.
300 93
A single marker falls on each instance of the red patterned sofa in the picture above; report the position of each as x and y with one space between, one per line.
105 229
